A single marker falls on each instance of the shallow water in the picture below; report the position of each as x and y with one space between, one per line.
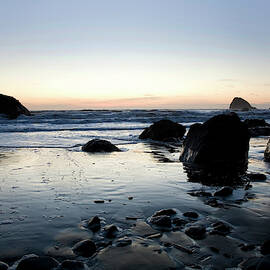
48 186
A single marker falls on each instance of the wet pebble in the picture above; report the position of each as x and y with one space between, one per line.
110 231
220 228
85 248
191 214
179 222
163 221
212 202
196 232
37 262
99 201
72 265
224 191
94 224
165 212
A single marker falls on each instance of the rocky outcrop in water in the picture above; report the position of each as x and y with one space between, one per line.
164 130
239 104
216 149
258 127
97 145
12 107
267 152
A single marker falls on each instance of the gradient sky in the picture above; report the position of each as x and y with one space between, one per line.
59 54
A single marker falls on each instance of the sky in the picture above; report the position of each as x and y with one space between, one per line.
78 54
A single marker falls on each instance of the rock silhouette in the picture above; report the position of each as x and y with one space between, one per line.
217 148
164 130
240 104
12 107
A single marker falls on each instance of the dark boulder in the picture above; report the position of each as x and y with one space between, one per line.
251 123
196 232
216 149
164 130
267 152
37 262
239 104
12 107
258 127
97 145
85 248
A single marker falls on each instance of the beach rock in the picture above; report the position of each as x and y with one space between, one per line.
94 224
216 150
220 228
179 222
37 262
165 212
267 152
190 214
3 266
12 107
256 177
163 130
224 191
251 123
239 104
162 221
85 248
265 248
110 231
196 232
97 145
122 242
73 265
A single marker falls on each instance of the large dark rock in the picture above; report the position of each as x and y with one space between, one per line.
12 107
217 149
267 152
97 145
239 104
163 130
258 127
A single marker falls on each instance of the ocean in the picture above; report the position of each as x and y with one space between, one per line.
70 129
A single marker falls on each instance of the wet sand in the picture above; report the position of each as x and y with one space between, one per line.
47 196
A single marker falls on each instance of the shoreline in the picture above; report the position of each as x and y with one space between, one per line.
54 193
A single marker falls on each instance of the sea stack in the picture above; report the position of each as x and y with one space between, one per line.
217 148
239 104
12 107
163 130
